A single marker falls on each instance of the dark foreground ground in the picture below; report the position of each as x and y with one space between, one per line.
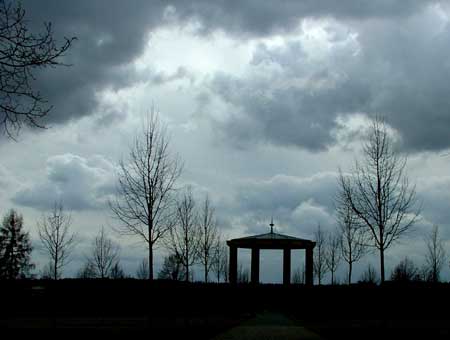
198 311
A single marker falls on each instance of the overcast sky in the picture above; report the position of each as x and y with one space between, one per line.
264 101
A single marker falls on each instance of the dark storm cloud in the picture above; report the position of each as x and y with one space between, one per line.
111 34
397 69
257 18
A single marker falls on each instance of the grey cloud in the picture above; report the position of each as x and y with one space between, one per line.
111 34
258 18
297 204
296 105
81 184
398 69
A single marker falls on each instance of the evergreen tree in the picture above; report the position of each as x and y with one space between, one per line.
172 269
15 248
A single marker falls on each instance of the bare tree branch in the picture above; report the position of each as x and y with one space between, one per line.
146 185
184 237
435 256
21 53
105 254
378 192
320 267
55 235
208 237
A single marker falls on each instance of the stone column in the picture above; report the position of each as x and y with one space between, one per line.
309 274
286 266
233 264
255 266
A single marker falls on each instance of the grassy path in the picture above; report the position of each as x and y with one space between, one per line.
268 325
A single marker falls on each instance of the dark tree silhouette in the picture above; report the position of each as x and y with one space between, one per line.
299 275
435 256
353 239
220 260
378 192
117 271
242 274
21 53
56 238
208 238
320 266
105 254
144 198
333 254
87 271
405 271
15 248
172 269
184 236
142 271
369 275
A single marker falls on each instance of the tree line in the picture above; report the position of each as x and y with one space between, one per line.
147 205
375 207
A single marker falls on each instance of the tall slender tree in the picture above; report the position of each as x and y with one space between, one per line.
146 186
57 239
379 193
220 260
105 254
208 236
15 248
184 237
319 264
353 239
333 254
435 257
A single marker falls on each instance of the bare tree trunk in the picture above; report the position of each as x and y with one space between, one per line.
55 266
150 261
350 273
382 265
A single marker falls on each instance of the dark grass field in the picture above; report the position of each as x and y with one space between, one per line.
166 309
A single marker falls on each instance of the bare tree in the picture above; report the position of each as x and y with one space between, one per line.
144 198
369 275
333 254
405 271
142 271
435 256
242 274
117 271
208 237
55 235
87 271
379 193
353 239
299 275
105 254
21 53
220 260
320 267
184 236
